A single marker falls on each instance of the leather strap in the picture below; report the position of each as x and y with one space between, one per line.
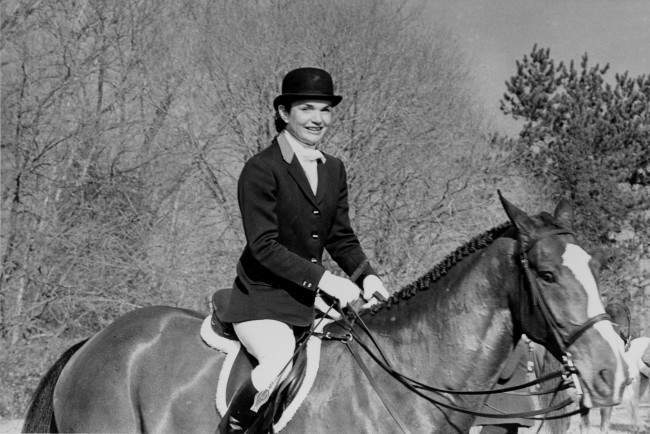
377 390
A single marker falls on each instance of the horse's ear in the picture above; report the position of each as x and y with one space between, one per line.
601 257
564 214
524 224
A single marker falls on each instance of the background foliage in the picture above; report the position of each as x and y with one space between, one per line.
125 125
583 134
588 138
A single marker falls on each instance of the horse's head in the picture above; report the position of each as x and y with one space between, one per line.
559 306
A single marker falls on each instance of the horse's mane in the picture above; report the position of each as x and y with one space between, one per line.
439 270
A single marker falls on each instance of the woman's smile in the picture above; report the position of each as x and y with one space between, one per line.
308 120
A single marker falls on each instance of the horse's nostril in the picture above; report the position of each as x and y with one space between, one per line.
607 376
605 382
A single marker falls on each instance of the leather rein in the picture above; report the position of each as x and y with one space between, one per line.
562 339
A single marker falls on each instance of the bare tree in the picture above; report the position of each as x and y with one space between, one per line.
125 125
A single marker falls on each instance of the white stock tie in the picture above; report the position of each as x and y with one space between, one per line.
309 160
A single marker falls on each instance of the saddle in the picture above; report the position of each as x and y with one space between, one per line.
285 399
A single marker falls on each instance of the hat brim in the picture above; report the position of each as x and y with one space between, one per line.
287 98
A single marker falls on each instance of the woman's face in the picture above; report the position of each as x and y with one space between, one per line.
307 120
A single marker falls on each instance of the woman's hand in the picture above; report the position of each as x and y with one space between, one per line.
326 309
373 285
339 287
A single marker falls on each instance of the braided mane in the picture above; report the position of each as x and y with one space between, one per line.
479 242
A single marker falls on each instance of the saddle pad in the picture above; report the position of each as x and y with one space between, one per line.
233 349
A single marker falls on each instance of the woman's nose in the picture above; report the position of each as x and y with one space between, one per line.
316 117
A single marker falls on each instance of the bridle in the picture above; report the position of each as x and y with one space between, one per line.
563 339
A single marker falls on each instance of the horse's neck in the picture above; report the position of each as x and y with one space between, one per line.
460 330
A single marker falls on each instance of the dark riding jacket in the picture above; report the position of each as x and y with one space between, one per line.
287 227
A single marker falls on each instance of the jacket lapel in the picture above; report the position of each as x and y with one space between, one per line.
296 171
323 183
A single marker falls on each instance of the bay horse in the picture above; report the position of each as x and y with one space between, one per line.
454 327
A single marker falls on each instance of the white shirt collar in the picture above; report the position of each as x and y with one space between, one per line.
303 152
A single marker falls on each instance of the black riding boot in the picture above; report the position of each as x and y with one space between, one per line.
239 415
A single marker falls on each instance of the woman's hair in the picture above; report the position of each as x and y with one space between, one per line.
280 124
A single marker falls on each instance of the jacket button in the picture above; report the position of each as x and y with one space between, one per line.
314 260
314 236
316 212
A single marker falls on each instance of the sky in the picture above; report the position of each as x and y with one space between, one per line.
495 33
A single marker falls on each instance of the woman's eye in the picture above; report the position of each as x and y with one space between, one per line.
547 276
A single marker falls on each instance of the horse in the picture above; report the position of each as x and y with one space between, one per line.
639 374
453 327
634 350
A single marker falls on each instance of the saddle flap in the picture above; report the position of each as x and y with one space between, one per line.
284 399
239 373
284 391
220 301
236 368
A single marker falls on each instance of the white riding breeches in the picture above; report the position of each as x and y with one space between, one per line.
272 343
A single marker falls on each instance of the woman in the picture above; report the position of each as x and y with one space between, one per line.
293 202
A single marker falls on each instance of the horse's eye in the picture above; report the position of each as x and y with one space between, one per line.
547 276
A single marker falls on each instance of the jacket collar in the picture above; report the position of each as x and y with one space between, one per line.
296 171
286 149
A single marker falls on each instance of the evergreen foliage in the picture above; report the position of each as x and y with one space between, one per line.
582 134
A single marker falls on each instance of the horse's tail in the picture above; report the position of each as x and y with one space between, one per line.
40 415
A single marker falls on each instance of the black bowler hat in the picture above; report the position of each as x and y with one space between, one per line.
307 83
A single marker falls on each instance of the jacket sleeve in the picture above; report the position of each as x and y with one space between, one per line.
257 195
342 243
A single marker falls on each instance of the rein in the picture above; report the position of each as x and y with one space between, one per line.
562 339
419 388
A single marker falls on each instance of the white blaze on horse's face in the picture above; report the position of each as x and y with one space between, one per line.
577 261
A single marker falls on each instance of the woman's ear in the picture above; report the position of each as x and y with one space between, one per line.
284 113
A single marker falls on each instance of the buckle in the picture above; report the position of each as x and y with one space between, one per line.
571 372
